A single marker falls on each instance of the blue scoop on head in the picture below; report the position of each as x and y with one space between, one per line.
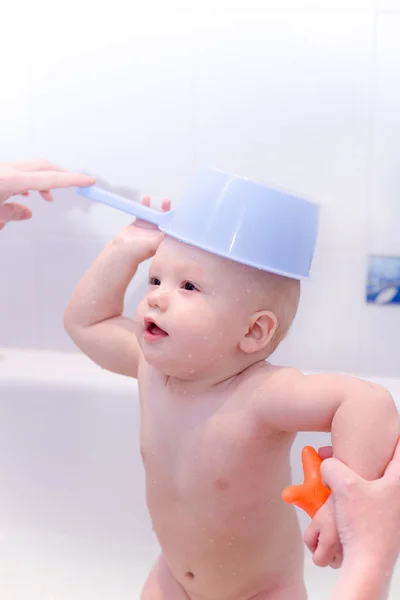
236 218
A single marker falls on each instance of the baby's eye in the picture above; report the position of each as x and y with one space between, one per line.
154 281
187 285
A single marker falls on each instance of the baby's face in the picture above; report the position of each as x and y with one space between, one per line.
194 313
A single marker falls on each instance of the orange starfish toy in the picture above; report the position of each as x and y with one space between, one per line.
312 494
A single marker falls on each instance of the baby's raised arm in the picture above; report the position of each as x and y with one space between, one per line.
94 318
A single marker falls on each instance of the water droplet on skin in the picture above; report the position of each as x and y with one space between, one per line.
192 371
234 574
221 566
194 397
245 518
94 301
189 356
211 540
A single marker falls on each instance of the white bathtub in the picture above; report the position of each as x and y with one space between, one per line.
73 521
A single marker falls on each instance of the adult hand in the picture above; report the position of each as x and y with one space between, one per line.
368 521
40 175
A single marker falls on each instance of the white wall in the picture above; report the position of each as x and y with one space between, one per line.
301 95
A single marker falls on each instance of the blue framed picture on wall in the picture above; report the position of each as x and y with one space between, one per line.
383 284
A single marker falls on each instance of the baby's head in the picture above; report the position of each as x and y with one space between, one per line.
205 315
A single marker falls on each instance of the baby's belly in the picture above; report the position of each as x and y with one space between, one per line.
227 544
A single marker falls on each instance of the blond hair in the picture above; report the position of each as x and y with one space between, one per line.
284 303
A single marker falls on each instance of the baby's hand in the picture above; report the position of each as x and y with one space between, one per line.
322 538
142 237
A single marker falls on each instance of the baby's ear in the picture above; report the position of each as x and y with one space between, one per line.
261 330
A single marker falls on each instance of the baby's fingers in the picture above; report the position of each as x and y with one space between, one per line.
166 205
328 553
311 536
146 201
142 223
329 549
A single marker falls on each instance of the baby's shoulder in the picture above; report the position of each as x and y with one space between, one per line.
265 375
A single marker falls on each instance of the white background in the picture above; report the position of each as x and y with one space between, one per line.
301 95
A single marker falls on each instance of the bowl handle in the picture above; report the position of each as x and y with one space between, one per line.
129 206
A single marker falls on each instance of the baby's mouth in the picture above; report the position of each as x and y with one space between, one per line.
152 329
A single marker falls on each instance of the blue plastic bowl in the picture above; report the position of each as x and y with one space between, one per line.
236 218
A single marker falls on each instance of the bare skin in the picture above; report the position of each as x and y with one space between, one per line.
371 545
24 176
218 422
208 451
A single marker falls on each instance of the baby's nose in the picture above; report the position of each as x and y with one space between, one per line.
158 299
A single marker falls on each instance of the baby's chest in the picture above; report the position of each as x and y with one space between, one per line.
208 441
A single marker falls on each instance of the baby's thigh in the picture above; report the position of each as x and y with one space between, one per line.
161 584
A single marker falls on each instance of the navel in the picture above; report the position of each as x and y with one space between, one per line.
221 484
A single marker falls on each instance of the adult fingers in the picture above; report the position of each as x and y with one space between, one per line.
35 165
336 475
14 212
47 195
393 468
46 180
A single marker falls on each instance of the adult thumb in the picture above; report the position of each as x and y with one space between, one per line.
393 468
335 475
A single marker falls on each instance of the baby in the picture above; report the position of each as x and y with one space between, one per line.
218 420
